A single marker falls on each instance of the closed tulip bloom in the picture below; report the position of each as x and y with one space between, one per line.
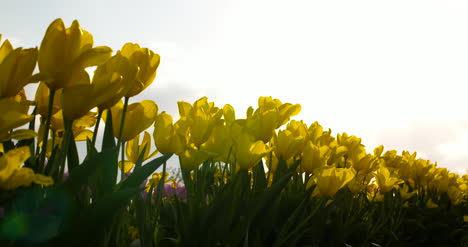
42 100
16 67
219 143
291 141
65 53
166 138
200 119
249 152
147 62
139 117
270 115
263 124
111 81
361 161
330 180
314 157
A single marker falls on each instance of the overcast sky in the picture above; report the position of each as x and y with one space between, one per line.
390 72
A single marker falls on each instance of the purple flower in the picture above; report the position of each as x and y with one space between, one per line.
177 191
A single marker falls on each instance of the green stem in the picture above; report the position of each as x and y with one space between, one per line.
96 126
46 130
59 162
122 171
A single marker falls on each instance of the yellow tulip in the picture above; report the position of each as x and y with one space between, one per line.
248 152
431 204
165 136
385 181
219 143
139 117
11 161
43 180
111 81
314 157
65 53
134 148
263 124
291 141
147 62
315 132
12 175
22 176
192 157
133 151
229 114
270 115
155 178
42 100
361 161
200 119
13 114
405 195
16 67
359 183
78 127
329 180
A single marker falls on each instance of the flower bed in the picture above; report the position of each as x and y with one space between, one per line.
262 180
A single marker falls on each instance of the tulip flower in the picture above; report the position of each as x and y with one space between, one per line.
219 143
270 115
12 175
139 117
291 141
385 181
110 82
200 119
361 161
42 100
147 62
166 138
329 180
405 195
314 157
65 53
14 114
16 67
192 157
247 151
134 150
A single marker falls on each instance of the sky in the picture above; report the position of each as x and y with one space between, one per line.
393 73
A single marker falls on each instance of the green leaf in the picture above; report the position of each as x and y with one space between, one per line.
79 176
107 171
138 176
99 216
108 139
260 181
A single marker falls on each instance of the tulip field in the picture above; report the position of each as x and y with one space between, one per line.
259 179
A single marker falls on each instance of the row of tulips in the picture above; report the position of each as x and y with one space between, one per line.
263 155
